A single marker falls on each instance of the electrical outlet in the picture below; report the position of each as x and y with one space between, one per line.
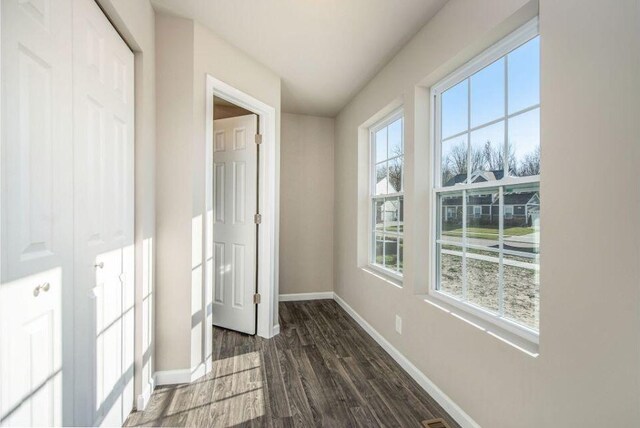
398 324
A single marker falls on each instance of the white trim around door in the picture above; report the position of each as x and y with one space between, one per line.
267 198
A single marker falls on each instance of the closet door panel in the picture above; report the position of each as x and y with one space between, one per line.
36 210
104 258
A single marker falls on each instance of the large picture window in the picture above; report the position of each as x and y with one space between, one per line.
387 195
486 185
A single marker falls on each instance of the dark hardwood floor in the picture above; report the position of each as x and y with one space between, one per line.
322 370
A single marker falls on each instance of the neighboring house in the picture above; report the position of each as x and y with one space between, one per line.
390 209
520 209
476 177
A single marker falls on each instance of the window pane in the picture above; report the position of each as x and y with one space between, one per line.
391 209
487 153
521 259
450 217
395 175
381 179
487 94
483 218
379 250
395 138
378 211
454 161
524 76
400 255
450 269
482 279
522 292
524 144
455 109
391 252
522 219
381 145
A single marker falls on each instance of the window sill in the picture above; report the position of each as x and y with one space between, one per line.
383 274
492 328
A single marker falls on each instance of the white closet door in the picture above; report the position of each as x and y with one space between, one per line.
36 163
235 169
104 253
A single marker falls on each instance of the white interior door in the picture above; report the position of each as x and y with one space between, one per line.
36 163
103 121
235 168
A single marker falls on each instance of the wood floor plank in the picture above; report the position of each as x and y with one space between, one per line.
301 413
323 370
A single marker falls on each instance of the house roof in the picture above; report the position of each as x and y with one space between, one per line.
476 177
472 200
522 198
381 187
517 198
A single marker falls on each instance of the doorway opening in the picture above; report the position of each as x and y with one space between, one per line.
236 216
241 201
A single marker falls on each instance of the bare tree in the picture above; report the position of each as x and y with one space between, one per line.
381 172
458 159
395 174
530 165
492 157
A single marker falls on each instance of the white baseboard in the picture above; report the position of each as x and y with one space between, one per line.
143 399
447 403
305 296
173 377
275 330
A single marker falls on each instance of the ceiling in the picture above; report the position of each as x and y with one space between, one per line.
324 50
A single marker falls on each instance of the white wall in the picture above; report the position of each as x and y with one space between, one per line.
587 373
135 20
186 52
306 198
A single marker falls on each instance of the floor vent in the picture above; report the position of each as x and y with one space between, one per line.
435 423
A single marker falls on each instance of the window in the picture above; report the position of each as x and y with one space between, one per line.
486 185
387 199
508 211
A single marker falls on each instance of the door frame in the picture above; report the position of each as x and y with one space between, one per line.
267 249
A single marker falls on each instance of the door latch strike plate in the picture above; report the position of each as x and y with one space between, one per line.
256 298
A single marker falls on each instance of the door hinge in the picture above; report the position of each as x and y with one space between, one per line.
258 139
257 219
256 298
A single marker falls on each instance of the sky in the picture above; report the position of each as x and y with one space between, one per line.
487 88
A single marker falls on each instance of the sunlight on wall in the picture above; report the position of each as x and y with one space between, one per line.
197 328
147 309
208 303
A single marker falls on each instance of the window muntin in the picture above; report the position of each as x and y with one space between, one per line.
487 118
387 195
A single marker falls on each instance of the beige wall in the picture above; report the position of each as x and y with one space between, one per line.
306 198
135 20
587 373
186 52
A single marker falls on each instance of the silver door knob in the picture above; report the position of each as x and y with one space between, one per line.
99 265
42 287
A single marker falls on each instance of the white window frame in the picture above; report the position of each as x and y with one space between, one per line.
371 248
514 40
